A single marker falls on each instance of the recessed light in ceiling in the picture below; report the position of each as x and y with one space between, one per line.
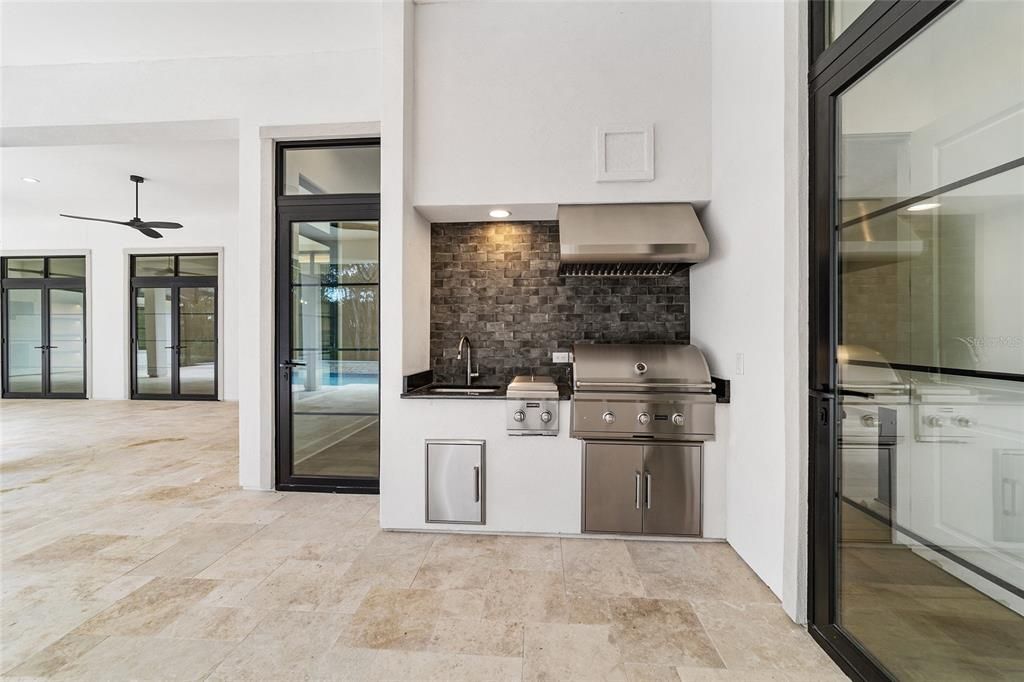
30 179
500 213
924 207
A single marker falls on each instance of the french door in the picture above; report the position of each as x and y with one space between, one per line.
916 327
44 324
174 337
328 351
328 317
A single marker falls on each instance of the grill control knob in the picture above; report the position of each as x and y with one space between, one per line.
545 416
678 419
869 420
519 415
963 422
608 418
644 419
934 420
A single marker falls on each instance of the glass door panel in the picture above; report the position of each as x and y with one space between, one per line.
197 341
154 341
334 331
67 340
930 452
25 340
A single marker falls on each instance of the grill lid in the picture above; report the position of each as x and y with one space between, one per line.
640 367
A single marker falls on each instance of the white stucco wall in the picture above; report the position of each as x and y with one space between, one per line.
510 95
749 298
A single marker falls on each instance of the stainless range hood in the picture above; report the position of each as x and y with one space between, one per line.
629 240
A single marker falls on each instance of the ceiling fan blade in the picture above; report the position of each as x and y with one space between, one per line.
153 234
157 225
98 220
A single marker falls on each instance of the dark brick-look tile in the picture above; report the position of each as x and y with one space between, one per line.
498 284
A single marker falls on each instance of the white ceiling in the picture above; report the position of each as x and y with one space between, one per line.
37 33
186 181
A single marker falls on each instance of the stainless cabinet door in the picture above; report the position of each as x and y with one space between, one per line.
455 482
672 489
612 488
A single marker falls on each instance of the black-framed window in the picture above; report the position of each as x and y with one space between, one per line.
43 313
328 315
916 386
174 332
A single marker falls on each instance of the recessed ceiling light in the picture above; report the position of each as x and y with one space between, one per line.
500 213
924 207
30 179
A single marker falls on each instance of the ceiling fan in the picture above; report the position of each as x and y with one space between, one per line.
146 227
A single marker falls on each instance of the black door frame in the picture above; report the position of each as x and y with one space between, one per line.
884 27
45 285
175 283
310 208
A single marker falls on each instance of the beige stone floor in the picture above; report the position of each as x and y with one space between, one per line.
129 553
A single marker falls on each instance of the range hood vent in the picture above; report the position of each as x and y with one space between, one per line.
629 240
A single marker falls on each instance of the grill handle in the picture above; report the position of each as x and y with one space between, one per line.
640 385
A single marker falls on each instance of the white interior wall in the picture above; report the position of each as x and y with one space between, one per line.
747 298
510 95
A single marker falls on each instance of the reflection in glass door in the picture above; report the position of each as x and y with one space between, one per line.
927 434
44 327
174 327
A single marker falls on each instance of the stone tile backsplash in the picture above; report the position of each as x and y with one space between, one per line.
498 284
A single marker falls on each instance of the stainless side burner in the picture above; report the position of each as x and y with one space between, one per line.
532 407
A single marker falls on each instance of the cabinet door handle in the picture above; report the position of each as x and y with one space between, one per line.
648 490
637 497
476 481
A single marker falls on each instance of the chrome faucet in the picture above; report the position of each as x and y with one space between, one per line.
469 359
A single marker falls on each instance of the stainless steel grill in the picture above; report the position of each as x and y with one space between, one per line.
638 391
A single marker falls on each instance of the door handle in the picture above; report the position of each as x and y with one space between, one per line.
42 347
637 495
648 490
289 364
476 481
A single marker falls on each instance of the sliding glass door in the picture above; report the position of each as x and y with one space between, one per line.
918 355
44 327
174 327
328 340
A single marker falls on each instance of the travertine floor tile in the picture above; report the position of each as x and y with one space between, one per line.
759 636
130 553
146 658
600 567
149 609
554 651
395 618
477 636
657 631
286 645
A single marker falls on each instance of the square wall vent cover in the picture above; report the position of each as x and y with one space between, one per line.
625 153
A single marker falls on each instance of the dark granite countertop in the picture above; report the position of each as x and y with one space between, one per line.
564 393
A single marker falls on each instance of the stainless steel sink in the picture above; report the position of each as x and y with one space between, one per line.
463 390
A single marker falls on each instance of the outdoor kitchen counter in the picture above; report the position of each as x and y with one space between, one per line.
564 393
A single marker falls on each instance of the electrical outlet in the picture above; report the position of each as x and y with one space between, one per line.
561 358
739 364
